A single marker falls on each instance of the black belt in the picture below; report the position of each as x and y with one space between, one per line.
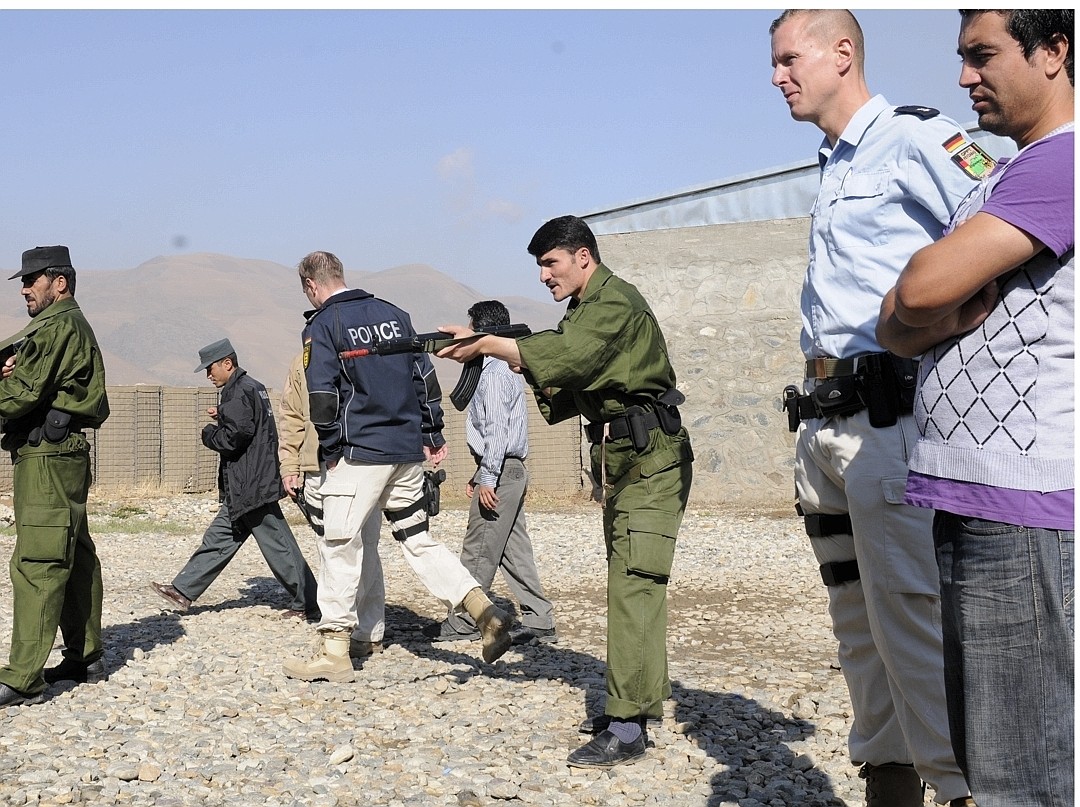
619 428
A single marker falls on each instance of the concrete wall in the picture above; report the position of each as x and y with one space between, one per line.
727 297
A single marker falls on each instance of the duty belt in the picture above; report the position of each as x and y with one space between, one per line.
828 367
832 368
619 428
799 407
880 382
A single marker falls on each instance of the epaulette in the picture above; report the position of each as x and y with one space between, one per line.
923 112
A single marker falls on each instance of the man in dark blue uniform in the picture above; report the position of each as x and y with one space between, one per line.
378 419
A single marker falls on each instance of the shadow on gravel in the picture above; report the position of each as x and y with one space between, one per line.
155 630
749 740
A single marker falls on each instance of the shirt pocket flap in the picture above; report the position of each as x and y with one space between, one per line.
865 185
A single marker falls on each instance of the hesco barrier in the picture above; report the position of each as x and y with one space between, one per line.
151 439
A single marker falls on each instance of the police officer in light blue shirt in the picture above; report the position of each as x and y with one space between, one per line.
888 187
891 178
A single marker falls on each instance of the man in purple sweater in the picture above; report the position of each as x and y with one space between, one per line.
990 307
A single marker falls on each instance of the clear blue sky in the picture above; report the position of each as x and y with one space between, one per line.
443 138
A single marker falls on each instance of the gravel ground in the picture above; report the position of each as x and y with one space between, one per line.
196 710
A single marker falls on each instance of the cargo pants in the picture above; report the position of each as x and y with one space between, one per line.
55 571
642 514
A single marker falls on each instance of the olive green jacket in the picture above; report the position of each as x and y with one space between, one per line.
606 355
59 366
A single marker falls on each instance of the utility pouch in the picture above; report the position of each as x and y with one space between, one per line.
880 390
907 378
836 397
667 411
56 427
639 431
432 480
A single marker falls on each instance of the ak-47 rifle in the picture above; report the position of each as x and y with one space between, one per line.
10 348
13 344
433 343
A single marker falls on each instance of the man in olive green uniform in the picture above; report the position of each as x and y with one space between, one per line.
50 390
607 361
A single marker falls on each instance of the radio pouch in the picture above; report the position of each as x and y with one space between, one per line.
639 432
838 396
55 429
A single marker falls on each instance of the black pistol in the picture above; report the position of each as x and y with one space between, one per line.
312 514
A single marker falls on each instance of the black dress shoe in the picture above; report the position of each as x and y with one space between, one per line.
78 671
606 751
12 697
524 635
442 632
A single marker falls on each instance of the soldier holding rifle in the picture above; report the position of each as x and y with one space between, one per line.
607 361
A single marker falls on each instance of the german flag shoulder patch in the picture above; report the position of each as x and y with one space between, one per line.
967 154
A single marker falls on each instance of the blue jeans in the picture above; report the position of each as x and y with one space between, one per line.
1007 618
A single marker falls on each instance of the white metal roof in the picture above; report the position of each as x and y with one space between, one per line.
786 192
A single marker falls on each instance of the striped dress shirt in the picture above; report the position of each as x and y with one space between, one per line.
497 426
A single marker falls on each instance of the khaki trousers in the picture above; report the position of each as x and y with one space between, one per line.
887 623
349 494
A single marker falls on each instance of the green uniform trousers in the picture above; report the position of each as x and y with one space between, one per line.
55 572
641 521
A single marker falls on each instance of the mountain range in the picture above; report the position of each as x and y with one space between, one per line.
151 320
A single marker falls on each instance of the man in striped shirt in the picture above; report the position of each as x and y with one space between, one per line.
497 538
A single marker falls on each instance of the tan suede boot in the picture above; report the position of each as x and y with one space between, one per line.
331 661
492 621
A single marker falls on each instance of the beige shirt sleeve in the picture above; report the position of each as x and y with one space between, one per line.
298 444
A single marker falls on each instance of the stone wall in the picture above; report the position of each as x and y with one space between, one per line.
727 297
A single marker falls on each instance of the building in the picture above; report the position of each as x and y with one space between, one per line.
722 266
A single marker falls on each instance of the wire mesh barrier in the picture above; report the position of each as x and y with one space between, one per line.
151 440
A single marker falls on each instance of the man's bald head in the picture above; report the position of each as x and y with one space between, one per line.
827 25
